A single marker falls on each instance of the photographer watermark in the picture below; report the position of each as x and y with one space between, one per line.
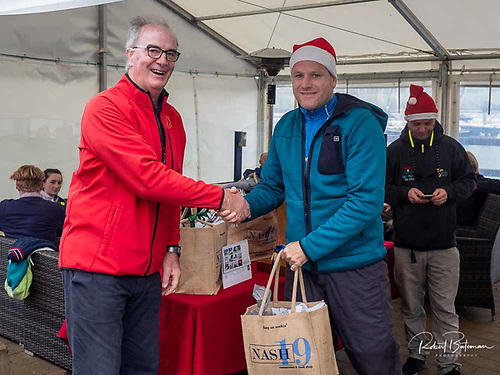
454 344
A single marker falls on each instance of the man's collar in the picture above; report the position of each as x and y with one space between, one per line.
32 194
325 110
141 95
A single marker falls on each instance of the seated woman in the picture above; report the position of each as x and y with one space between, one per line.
31 215
468 210
52 184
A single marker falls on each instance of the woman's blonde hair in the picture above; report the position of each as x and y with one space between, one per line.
29 179
473 162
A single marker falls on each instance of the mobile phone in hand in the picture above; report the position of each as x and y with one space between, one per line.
426 196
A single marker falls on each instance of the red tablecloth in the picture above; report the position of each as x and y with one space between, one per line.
389 259
202 334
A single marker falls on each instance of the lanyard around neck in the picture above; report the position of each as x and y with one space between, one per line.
413 143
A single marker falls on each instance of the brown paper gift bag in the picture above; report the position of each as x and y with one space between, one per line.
295 343
200 261
261 233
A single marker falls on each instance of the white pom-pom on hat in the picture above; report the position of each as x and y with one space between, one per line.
412 101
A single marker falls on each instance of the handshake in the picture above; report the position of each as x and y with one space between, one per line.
234 208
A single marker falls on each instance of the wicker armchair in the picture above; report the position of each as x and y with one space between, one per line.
479 248
35 321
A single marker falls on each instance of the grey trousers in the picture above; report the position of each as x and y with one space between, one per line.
360 309
437 272
113 323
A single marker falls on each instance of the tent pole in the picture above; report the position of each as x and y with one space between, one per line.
103 48
399 95
270 124
489 95
455 108
443 83
197 127
420 28
264 114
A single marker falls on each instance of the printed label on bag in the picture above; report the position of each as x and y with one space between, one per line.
271 354
236 266
296 355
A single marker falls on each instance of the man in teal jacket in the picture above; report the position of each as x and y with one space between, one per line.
327 161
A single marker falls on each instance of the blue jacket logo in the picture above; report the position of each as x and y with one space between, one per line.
407 174
441 173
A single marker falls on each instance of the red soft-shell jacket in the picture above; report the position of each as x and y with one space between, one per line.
123 204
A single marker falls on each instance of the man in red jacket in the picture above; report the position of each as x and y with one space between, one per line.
123 211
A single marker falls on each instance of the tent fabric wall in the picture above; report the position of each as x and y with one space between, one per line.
224 105
39 123
42 101
198 51
65 35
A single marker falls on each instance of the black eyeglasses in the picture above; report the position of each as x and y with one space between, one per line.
155 52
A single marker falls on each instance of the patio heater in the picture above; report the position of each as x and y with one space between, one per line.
270 61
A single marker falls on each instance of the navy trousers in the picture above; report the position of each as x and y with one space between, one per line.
113 323
360 309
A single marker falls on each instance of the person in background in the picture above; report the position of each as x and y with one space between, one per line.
327 161
262 159
387 220
123 219
427 174
52 184
31 215
468 210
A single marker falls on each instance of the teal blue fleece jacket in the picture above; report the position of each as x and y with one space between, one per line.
334 200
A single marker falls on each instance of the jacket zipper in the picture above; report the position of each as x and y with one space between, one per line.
161 132
306 168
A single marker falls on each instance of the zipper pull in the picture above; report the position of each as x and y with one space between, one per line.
422 148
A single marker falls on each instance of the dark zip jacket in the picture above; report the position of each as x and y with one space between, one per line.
444 164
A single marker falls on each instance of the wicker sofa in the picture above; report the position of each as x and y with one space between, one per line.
35 321
479 249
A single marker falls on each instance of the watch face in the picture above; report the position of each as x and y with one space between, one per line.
174 249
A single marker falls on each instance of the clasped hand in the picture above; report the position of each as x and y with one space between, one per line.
234 208
439 197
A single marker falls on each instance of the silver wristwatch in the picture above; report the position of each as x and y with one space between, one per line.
174 249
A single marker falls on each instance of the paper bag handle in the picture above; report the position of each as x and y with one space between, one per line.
274 258
275 273
302 288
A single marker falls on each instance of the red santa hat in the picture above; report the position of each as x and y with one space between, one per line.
318 50
420 106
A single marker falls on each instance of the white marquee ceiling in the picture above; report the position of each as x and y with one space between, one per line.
356 28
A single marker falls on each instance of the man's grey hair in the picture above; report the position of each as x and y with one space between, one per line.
137 23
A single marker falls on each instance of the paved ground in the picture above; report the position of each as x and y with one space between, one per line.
478 328
476 324
24 364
